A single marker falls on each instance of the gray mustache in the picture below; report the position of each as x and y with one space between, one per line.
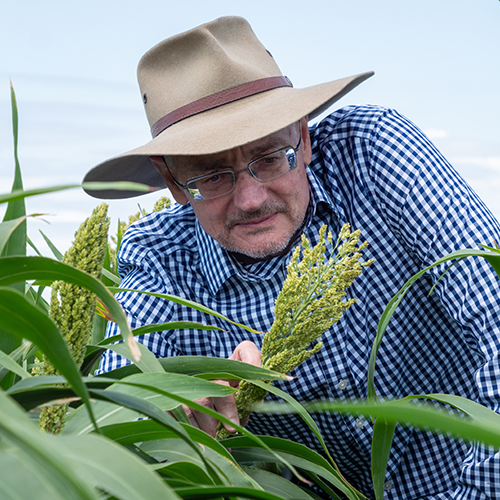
244 217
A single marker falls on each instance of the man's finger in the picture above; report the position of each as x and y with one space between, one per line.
201 420
247 352
227 407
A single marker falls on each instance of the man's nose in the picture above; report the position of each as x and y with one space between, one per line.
249 194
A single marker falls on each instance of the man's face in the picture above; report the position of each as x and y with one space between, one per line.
257 218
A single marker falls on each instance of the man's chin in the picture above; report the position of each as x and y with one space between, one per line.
259 250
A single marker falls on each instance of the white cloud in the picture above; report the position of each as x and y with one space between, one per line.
435 133
487 162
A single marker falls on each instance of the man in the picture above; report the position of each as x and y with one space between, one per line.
231 143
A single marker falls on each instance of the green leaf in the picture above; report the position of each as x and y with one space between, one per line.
26 321
57 254
115 470
137 380
476 412
222 471
44 450
15 269
16 208
95 351
172 325
203 366
150 410
29 400
128 433
210 368
383 432
297 454
187 303
145 386
20 194
23 476
187 472
11 365
16 244
17 355
34 391
148 362
492 257
98 329
7 228
483 425
217 492
277 485
303 413
158 327
112 277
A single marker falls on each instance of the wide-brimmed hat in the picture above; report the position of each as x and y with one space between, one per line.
208 90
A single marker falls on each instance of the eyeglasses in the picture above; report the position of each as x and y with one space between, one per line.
222 182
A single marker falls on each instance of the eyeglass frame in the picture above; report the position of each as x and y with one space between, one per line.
234 172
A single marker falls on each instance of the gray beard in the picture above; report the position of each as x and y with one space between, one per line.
269 250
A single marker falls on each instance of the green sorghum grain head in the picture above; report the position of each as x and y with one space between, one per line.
72 308
311 301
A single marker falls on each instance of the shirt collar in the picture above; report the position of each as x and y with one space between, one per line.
217 266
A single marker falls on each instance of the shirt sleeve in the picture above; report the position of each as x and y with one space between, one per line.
432 211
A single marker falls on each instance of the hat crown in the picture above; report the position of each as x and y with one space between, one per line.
201 62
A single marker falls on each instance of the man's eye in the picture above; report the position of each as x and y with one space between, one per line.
271 159
266 161
212 179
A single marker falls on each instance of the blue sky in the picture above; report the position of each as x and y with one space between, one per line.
73 66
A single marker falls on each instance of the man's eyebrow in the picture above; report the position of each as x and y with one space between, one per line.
202 166
268 147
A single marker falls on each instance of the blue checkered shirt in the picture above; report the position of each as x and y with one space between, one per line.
373 168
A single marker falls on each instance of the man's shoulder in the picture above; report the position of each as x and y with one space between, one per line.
361 121
165 231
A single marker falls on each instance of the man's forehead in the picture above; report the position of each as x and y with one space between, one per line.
225 159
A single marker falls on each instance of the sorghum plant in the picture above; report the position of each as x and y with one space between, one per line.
72 308
310 302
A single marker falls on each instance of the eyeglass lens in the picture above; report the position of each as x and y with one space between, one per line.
265 168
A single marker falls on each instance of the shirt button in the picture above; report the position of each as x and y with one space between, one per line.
387 485
360 423
342 385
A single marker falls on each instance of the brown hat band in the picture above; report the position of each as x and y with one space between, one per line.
219 99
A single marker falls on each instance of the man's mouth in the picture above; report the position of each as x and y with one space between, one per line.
259 218
257 222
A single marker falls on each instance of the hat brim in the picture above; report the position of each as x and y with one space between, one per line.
220 129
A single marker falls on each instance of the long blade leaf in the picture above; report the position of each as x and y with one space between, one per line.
492 257
15 269
7 229
46 449
11 365
20 194
383 432
424 416
114 469
187 303
26 321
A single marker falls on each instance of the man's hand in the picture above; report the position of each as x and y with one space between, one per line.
247 352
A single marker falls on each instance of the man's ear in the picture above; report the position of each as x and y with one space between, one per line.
306 141
177 192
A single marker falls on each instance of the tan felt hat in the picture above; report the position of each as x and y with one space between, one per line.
211 89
